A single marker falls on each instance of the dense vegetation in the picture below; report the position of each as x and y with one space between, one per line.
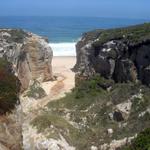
9 87
84 115
142 142
17 35
133 35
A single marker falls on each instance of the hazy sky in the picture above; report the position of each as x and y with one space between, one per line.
97 8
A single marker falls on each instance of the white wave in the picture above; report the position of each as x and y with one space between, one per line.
63 49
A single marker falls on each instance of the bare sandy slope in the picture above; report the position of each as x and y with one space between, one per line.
55 89
65 81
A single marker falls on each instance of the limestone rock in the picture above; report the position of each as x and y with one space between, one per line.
116 144
30 55
120 54
122 111
94 148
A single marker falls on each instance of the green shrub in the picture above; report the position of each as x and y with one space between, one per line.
35 91
142 142
9 87
133 34
122 91
90 106
83 95
17 35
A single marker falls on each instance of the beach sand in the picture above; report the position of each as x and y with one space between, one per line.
65 78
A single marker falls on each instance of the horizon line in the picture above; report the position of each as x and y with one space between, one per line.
106 17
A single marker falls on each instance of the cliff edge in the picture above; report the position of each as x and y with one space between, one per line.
25 62
110 109
121 54
29 54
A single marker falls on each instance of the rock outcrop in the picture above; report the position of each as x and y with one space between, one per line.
120 54
25 58
30 55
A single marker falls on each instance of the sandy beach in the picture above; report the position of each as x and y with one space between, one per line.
65 81
63 63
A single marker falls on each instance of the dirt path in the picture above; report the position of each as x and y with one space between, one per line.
59 86
54 90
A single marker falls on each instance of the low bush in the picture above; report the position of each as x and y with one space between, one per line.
9 87
35 91
142 142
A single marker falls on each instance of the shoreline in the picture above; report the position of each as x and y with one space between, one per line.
63 49
63 56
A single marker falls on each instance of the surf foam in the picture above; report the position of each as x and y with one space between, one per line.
63 49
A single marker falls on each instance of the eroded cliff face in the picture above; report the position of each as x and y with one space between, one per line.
99 114
119 54
25 59
10 110
111 101
29 54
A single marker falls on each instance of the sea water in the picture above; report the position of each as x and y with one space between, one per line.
64 32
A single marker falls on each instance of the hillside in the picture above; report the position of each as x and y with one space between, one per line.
110 104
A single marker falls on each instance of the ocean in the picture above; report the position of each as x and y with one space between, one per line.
64 32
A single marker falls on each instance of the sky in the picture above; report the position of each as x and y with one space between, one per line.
95 8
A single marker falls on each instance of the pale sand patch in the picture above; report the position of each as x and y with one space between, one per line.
62 66
57 89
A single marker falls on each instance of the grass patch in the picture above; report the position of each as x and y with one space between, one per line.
56 125
89 106
142 142
134 34
84 94
123 91
35 91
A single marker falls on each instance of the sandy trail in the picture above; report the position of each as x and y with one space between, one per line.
65 81
58 87
65 78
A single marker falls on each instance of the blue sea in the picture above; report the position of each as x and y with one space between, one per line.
64 32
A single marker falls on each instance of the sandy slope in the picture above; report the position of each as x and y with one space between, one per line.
55 89
65 77
65 81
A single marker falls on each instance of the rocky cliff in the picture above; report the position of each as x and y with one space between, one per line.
109 110
120 54
25 59
105 112
29 54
